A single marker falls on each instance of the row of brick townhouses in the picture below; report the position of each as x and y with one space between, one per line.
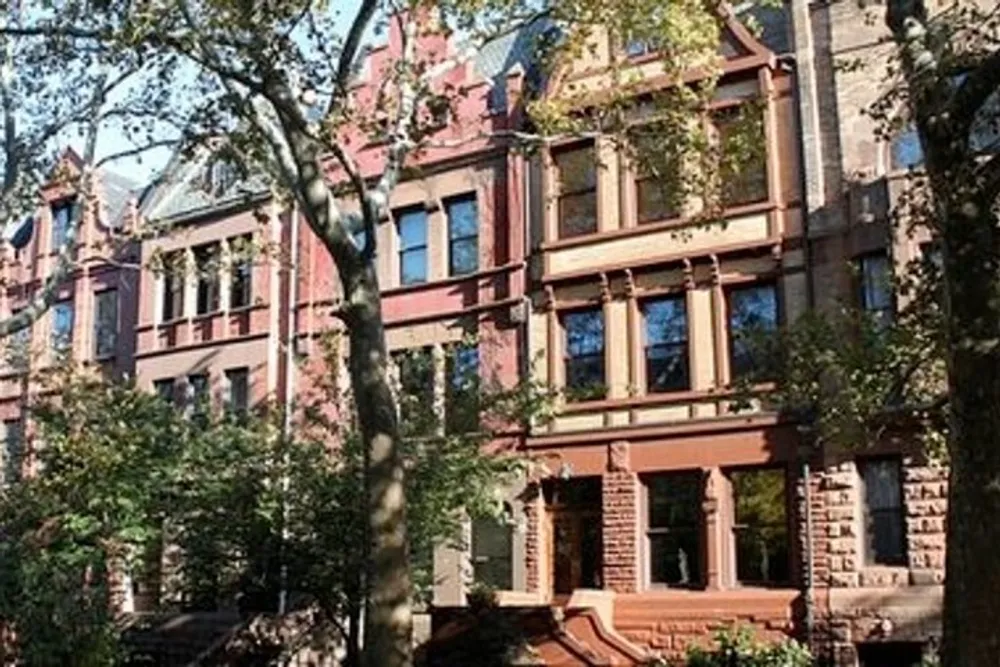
666 515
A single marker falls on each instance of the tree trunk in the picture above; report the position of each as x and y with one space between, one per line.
972 585
965 223
388 617
388 621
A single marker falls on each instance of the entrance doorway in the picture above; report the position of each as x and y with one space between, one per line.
574 534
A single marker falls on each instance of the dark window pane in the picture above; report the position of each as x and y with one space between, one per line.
906 150
658 168
62 219
577 191
241 272
577 169
666 344
743 172
584 353
206 260
413 266
238 386
675 500
174 277
62 326
654 201
463 239
577 214
462 389
876 286
753 314
164 389
416 390
761 526
885 528
105 323
674 557
674 528
492 549
412 228
463 217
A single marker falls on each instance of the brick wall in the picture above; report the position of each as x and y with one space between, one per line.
619 490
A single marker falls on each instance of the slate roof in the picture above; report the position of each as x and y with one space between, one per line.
181 191
498 57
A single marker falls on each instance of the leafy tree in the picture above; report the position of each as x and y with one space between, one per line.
277 79
109 459
250 514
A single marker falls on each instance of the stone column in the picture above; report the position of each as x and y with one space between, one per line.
620 513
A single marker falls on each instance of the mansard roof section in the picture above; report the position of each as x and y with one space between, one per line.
751 37
197 183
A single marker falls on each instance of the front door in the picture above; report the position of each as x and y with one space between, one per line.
574 531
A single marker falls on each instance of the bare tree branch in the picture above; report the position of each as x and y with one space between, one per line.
349 51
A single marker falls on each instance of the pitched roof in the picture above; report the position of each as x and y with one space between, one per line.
183 191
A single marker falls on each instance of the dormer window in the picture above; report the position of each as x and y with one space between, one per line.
62 220
637 48
221 177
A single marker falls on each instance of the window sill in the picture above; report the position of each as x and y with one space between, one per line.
658 399
452 280
762 206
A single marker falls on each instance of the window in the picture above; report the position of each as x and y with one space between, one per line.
906 151
492 554
164 389
412 228
674 528
12 451
238 389
222 175
241 272
62 326
174 278
884 523
638 47
356 229
416 390
461 407
876 286
206 261
577 190
743 168
105 323
760 527
584 354
657 171
19 345
198 394
62 220
666 344
463 235
753 316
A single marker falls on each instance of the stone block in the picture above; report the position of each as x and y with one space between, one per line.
844 579
926 577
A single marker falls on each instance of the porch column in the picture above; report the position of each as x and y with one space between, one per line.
620 513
